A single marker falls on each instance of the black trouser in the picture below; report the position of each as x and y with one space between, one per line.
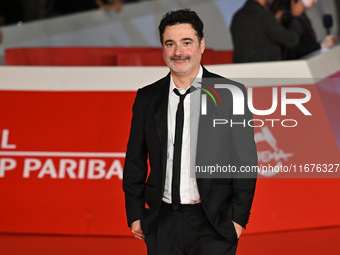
186 231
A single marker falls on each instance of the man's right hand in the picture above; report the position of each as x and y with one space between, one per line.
136 230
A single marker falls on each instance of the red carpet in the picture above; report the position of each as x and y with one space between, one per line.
312 241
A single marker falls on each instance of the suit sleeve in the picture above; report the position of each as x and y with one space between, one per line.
135 167
244 155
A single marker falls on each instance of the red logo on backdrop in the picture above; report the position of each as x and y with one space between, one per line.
269 151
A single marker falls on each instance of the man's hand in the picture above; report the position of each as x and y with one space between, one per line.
136 230
278 15
238 229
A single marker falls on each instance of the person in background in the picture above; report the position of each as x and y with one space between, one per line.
337 6
11 12
308 42
258 36
115 5
71 6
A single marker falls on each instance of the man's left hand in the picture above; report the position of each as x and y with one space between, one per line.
238 229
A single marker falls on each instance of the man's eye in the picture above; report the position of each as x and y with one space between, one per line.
169 44
187 43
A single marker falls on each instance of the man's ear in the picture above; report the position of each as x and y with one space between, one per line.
202 45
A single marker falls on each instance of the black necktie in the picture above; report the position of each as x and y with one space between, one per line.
176 169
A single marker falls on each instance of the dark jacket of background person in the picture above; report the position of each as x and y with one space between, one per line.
10 12
308 42
72 6
257 35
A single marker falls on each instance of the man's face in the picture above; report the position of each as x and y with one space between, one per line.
181 49
309 3
266 2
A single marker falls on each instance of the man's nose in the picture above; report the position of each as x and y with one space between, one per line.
178 50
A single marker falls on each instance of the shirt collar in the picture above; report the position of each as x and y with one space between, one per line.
196 82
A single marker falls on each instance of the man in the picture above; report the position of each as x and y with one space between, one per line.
174 212
258 36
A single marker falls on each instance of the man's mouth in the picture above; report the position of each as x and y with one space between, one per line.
179 58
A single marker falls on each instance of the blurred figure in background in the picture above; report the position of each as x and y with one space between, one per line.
258 36
115 5
10 12
18 11
71 6
2 22
337 6
36 9
308 42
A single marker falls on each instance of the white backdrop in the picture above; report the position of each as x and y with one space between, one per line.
131 78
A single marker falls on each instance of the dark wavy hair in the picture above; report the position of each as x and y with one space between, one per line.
183 16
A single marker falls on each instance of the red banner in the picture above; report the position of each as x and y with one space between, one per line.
62 155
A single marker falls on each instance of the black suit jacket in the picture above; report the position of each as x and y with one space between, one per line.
308 42
223 199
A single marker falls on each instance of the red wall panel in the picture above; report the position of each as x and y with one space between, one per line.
80 190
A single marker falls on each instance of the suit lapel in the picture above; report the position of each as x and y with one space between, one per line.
206 75
161 116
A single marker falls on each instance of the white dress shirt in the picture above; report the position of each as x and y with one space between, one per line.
188 186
